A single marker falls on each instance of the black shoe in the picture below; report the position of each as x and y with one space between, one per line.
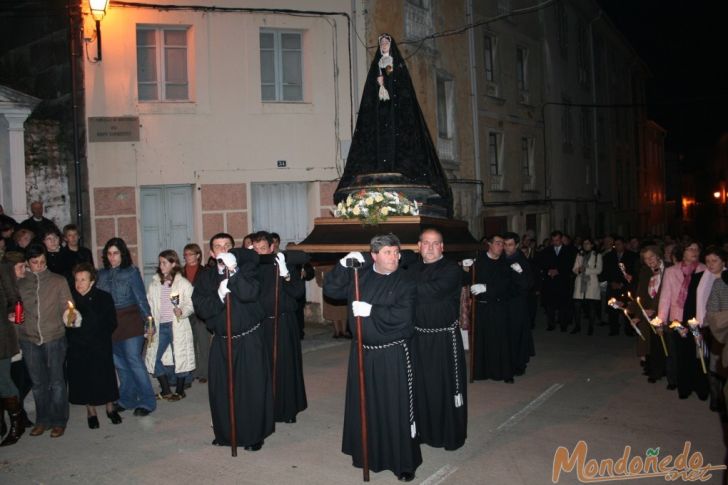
114 417
509 381
93 422
254 447
671 387
290 421
216 443
575 330
550 328
118 409
347 335
406 477
651 380
141 412
519 371
26 420
683 396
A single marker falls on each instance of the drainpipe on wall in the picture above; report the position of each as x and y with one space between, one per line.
73 38
595 120
469 12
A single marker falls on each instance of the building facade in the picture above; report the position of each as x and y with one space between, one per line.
203 121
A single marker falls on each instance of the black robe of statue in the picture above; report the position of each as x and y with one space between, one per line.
89 359
519 316
389 416
493 358
690 376
290 393
392 136
438 355
251 359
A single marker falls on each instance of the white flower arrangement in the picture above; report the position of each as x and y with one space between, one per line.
373 207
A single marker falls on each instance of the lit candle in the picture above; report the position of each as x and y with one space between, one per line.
634 327
657 322
71 313
150 328
695 330
174 298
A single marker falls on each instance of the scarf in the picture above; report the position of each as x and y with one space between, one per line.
687 271
655 280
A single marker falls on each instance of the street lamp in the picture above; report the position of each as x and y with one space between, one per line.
98 10
716 194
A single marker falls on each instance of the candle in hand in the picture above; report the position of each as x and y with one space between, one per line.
174 298
71 313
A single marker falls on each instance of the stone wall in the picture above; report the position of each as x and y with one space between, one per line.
46 169
224 209
115 215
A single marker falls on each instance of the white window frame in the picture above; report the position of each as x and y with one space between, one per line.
278 65
495 167
489 52
527 163
522 69
160 59
445 116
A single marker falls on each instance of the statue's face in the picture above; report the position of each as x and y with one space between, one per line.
384 45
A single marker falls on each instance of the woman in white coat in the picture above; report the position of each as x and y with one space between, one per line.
170 300
587 267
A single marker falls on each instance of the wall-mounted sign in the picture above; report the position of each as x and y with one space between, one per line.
113 128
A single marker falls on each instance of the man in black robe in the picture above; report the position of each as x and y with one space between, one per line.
519 317
290 391
437 347
491 290
251 360
386 306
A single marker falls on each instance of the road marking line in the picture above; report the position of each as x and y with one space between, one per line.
321 347
530 407
439 476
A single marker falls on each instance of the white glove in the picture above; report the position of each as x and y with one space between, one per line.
222 290
517 268
76 323
361 308
228 260
477 289
468 263
352 255
282 268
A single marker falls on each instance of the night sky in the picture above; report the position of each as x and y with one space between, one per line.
683 42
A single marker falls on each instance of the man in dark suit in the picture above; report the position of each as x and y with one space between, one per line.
556 263
620 273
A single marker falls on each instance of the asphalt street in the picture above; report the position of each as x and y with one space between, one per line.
576 388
